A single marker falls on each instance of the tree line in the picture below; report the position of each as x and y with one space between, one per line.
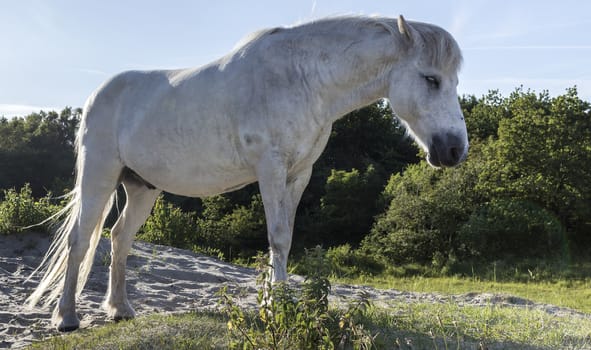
524 191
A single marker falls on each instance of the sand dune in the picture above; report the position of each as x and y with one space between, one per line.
165 279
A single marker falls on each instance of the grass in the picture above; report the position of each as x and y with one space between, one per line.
399 326
574 294
451 326
203 330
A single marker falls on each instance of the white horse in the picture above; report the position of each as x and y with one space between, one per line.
262 113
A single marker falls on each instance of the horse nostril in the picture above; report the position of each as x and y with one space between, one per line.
446 150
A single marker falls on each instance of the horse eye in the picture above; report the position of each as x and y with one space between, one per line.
432 81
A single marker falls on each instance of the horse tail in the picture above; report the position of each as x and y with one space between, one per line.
55 261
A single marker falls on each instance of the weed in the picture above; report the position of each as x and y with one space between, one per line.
291 318
19 211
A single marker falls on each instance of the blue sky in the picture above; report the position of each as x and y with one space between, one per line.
54 53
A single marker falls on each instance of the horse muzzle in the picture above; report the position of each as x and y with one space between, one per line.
447 150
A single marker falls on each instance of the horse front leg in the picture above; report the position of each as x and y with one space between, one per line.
281 195
296 184
272 177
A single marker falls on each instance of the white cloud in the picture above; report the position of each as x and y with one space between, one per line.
11 110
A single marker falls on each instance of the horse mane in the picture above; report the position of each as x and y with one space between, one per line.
439 49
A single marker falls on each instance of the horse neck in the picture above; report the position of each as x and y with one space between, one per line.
357 77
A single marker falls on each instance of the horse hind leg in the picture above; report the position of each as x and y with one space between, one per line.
139 202
84 233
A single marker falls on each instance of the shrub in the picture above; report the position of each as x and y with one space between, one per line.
348 262
238 231
403 246
223 230
169 225
19 211
341 261
296 319
349 205
425 209
512 228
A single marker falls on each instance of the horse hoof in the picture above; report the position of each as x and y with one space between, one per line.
65 329
122 318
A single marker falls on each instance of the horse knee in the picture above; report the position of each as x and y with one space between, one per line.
280 241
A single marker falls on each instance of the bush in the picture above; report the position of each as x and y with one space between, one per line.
223 230
341 261
505 228
238 231
403 246
349 205
19 211
168 225
296 319
426 208
347 262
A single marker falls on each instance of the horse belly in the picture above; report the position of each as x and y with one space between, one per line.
198 177
187 162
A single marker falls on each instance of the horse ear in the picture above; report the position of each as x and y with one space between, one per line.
404 28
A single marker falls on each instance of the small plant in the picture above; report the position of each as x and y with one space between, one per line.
168 225
296 319
19 211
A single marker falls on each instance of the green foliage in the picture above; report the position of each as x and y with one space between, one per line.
524 191
296 319
349 204
348 262
369 135
238 231
338 262
19 210
168 225
39 150
505 228
543 156
225 230
483 115
425 211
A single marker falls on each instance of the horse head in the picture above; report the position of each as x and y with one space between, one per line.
423 92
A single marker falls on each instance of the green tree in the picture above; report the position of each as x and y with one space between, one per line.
511 228
426 208
483 115
543 155
38 149
369 135
364 148
238 231
348 205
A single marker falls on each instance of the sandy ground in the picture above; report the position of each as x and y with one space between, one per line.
164 279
